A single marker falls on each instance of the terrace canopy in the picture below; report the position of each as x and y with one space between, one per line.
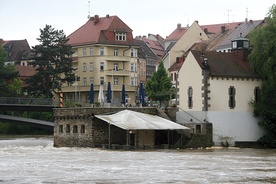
132 120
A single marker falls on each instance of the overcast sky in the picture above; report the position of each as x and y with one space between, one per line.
22 19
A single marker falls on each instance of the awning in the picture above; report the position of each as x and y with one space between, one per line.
132 120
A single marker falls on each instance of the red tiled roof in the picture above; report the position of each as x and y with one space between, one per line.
177 65
25 71
212 28
216 28
176 34
223 64
155 46
101 30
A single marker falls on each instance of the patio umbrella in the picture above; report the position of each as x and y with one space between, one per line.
142 95
108 93
123 95
101 95
91 94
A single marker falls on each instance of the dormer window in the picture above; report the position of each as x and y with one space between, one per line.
120 36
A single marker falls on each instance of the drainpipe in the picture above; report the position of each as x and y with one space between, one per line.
126 50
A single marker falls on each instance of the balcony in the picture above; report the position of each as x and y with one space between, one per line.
119 72
118 58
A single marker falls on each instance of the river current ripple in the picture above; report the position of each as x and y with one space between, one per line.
35 160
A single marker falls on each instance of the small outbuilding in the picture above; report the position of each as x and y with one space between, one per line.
141 130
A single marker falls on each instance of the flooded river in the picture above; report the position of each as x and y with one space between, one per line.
35 160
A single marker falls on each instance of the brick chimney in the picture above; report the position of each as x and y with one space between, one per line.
178 26
222 28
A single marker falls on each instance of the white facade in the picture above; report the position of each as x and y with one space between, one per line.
230 124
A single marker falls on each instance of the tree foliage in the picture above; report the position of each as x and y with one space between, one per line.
263 61
53 63
7 74
159 86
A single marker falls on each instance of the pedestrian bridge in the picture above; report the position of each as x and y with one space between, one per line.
34 122
28 104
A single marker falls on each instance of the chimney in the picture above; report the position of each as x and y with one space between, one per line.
222 28
196 21
107 16
178 26
96 19
205 30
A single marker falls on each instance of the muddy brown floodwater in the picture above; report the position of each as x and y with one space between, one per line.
35 160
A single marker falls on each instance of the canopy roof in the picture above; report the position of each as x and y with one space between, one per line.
132 120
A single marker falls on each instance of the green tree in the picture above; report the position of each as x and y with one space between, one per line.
53 63
263 61
159 86
7 74
16 87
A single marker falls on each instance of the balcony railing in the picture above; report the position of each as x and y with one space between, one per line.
118 58
81 88
119 72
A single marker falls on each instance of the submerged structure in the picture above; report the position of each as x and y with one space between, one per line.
124 128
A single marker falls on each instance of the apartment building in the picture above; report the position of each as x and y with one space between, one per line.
104 51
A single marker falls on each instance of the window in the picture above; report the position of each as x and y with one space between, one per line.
232 93
132 81
75 129
190 97
84 51
91 80
115 52
101 51
91 66
60 128
132 67
84 81
120 36
84 67
102 80
171 76
67 128
198 129
116 81
257 94
116 66
91 51
82 129
133 53
101 66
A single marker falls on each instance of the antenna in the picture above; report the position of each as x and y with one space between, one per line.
246 18
88 10
228 15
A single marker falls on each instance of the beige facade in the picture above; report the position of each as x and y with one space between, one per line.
100 64
193 35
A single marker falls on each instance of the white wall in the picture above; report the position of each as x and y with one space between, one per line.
219 95
227 126
190 74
